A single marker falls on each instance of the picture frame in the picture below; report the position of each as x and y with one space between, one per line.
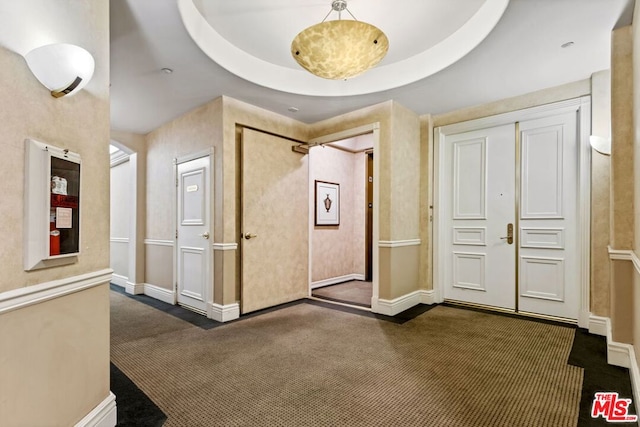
327 203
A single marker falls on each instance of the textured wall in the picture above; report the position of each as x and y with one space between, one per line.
425 278
600 195
636 157
622 182
159 265
54 363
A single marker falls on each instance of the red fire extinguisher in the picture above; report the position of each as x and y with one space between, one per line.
54 237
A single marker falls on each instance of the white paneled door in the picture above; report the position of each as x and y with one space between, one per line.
511 216
194 234
480 261
549 269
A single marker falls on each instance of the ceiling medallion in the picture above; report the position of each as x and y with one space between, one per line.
339 49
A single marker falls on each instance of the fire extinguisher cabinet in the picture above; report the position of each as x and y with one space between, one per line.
52 205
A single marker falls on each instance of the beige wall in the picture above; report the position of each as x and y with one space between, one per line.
339 250
636 162
425 278
600 195
54 363
621 234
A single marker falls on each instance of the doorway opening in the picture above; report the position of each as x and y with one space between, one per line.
341 255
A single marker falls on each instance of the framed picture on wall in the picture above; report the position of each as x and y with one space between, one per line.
327 201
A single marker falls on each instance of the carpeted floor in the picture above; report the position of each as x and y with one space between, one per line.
308 365
355 292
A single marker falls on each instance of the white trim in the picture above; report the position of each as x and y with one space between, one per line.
118 279
159 293
335 280
118 158
531 113
398 243
157 242
618 354
119 239
193 156
225 246
624 255
134 288
598 325
20 298
349 133
584 209
579 105
428 297
223 313
103 415
397 305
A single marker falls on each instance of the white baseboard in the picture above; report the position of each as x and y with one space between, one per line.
623 355
103 415
335 280
223 313
159 293
397 305
134 288
428 297
119 280
598 325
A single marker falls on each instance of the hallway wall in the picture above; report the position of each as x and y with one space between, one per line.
54 363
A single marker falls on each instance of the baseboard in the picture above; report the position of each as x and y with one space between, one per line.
428 297
397 305
159 293
134 288
119 280
223 313
598 325
103 415
336 280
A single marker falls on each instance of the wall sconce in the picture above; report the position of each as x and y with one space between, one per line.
600 144
62 68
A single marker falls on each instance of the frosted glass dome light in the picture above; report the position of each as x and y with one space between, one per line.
62 68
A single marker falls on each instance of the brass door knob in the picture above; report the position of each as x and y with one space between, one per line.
250 236
205 235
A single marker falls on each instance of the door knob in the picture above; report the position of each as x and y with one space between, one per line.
205 234
249 236
509 236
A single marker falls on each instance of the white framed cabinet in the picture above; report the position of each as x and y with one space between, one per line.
52 206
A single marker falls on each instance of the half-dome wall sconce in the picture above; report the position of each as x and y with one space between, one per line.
62 68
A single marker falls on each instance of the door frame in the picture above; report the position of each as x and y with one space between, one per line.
582 106
210 267
374 129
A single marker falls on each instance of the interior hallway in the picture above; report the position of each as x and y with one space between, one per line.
313 363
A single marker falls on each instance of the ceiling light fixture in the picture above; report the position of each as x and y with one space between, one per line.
339 49
167 70
62 68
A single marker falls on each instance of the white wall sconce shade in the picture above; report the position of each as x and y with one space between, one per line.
600 144
62 68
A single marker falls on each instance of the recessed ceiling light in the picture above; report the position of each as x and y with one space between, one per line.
567 44
293 109
167 70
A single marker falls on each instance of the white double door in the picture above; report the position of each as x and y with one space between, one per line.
510 225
